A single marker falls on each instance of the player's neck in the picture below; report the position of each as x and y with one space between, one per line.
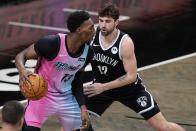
73 44
109 39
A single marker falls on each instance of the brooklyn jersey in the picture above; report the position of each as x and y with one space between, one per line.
107 64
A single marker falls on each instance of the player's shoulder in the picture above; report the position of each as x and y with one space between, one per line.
48 40
48 46
127 40
54 37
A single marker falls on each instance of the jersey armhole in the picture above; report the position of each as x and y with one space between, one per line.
120 46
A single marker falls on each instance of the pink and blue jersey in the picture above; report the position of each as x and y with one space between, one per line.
59 101
60 71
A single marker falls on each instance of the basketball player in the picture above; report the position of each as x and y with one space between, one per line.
115 71
60 56
12 116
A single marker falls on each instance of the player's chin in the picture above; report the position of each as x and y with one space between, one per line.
104 33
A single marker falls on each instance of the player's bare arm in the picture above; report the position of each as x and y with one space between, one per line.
129 61
20 59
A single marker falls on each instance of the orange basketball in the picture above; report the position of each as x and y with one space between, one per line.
38 88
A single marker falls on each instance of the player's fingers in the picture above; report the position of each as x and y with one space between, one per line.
22 81
30 73
84 126
87 86
27 77
21 88
91 95
28 83
90 89
85 89
88 92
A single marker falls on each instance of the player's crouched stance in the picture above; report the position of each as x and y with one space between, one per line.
115 70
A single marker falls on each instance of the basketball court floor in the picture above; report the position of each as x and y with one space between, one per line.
165 51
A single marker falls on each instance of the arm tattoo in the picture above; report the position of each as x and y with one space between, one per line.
122 77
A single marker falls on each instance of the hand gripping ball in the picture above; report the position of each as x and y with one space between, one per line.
37 90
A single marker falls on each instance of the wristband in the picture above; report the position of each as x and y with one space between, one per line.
84 109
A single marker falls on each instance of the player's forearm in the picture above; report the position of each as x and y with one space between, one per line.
120 82
77 89
20 62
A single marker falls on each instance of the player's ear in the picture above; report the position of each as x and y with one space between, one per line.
117 22
78 30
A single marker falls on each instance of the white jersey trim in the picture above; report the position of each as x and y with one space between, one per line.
120 45
112 42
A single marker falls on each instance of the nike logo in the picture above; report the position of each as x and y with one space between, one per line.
95 44
81 59
61 55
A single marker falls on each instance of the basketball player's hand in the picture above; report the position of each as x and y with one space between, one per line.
23 78
93 89
85 120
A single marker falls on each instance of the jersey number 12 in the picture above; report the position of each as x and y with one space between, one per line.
103 69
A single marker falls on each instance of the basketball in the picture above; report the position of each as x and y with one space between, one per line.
37 90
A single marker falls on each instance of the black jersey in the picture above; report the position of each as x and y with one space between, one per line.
106 63
108 66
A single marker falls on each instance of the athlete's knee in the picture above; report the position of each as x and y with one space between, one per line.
163 127
169 126
159 125
175 127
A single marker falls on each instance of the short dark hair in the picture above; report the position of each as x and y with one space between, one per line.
12 112
75 19
110 10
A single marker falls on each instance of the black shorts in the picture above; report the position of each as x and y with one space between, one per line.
135 97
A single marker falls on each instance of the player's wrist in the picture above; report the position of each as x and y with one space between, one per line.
104 87
83 108
22 70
